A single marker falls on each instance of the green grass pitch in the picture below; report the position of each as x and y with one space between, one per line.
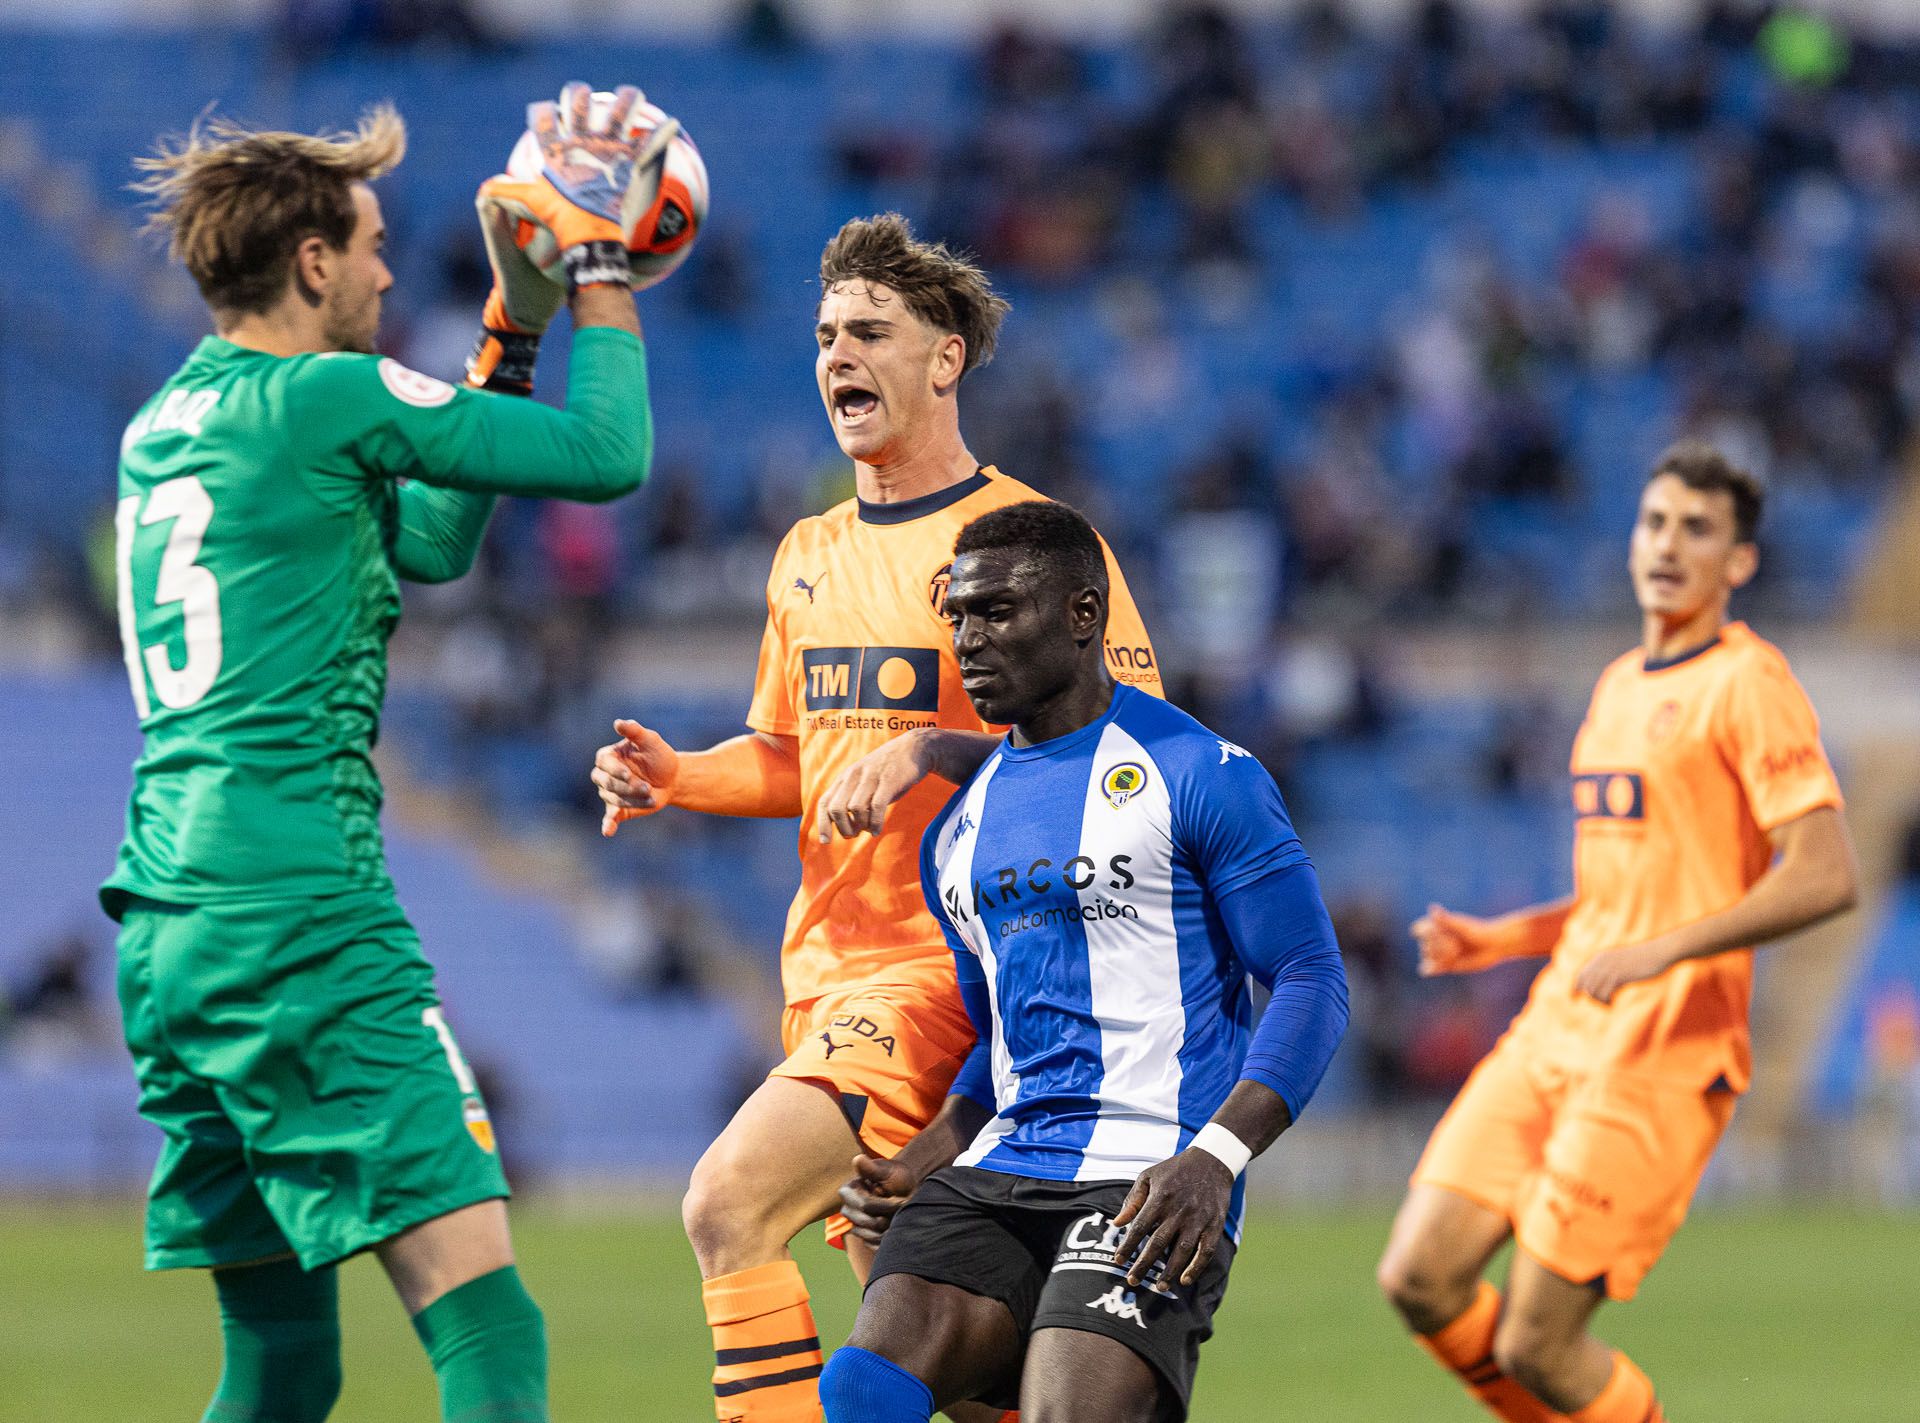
1804 1316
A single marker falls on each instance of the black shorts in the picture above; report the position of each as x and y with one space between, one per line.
1045 1250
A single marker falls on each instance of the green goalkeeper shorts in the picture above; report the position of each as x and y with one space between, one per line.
295 1056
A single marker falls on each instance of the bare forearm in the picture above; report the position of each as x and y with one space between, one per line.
1256 1114
1530 933
953 755
1787 898
604 306
945 1137
1812 878
751 775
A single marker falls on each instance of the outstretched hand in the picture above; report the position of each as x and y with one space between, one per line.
1176 1215
1453 943
634 775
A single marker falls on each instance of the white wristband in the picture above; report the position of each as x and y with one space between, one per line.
1223 1146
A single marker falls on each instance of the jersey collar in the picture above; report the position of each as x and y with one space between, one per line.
907 510
1042 749
1661 664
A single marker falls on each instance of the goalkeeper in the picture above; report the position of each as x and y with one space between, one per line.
284 1026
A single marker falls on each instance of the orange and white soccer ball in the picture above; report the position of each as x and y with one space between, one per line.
669 214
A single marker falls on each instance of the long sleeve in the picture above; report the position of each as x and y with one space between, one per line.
1280 929
440 532
1232 820
366 417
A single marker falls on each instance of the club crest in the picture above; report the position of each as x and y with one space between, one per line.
1123 782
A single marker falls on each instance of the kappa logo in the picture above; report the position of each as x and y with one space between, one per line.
1120 1303
1228 751
1123 783
801 585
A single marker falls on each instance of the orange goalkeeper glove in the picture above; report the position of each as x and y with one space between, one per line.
579 184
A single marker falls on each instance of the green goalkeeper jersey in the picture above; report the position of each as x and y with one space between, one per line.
268 506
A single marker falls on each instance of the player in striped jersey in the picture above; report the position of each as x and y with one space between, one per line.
1106 880
857 699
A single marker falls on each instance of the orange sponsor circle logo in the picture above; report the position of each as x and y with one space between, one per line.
1609 795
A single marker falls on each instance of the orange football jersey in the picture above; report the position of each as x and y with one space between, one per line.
856 651
1679 772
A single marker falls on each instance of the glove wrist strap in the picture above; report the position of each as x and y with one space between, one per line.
503 361
597 264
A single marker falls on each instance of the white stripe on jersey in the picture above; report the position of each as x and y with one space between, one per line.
1134 968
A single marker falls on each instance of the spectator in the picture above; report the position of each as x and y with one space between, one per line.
1376 983
53 1015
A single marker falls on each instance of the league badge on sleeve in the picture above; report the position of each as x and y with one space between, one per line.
413 387
479 1124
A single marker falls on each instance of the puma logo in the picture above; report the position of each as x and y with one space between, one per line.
832 1046
809 588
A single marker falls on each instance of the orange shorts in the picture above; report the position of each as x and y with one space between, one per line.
888 1051
1593 1169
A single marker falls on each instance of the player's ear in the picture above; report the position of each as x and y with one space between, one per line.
1742 564
949 361
1087 614
313 269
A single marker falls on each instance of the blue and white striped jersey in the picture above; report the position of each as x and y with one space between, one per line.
1080 883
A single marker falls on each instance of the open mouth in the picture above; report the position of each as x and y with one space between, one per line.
851 403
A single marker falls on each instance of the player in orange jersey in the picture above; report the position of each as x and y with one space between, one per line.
858 697
1707 821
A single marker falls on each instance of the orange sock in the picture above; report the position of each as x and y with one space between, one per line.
1627 1398
1465 1347
766 1350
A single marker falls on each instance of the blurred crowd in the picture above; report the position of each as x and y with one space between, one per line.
1772 305
1775 308
1364 504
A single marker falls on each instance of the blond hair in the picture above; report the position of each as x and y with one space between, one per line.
939 286
235 204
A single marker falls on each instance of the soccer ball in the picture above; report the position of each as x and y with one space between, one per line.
676 213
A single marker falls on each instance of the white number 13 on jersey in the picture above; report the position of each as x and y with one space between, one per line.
182 581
